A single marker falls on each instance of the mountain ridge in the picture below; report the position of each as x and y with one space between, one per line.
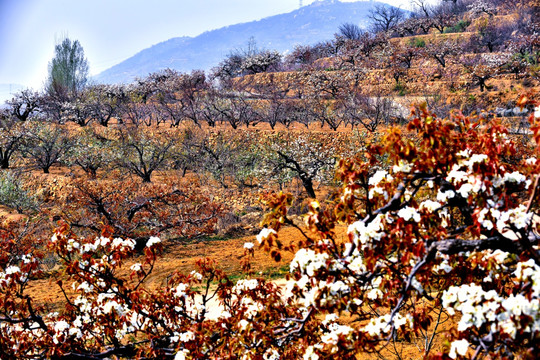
306 25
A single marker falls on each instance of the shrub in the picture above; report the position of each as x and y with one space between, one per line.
400 88
460 26
13 193
417 42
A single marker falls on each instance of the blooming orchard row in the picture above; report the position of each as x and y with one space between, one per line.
439 228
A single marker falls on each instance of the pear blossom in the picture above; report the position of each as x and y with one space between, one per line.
408 213
458 347
152 241
264 234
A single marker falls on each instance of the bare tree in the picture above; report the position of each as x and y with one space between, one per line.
403 55
12 133
228 68
46 144
233 108
361 51
228 156
408 27
442 17
481 68
143 152
421 8
91 151
493 36
179 97
329 84
77 110
384 17
135 108
325 111
24 104
273 109
309 157
305 55
369 111
350 31
443 50
104 102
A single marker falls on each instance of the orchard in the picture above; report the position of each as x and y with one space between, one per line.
442 227
404 158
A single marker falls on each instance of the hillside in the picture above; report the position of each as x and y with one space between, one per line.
307 25
375 202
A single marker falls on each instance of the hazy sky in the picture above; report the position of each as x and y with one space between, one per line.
112 30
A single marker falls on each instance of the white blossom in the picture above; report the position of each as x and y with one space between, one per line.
243 324
86 287
12 270
515 177
72 244
181 355
402 166
381 325
122 244
504 315
246 285
380 175
460 347
464 190
430 206
444 196
196 275
264 234
136 267
61 326
271 354
363 234
152 241
186 336
335 331
310 354
531 161
180 290
408 213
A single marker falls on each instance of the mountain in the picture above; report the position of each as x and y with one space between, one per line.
307 25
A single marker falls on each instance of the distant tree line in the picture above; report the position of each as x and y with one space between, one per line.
326 84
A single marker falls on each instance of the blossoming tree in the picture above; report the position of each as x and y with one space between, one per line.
441 225
448 230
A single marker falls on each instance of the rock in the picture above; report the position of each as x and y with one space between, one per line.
519 112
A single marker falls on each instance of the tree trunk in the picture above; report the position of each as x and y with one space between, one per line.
92 173
308 185
146 177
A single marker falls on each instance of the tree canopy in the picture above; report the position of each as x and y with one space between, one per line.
68 70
